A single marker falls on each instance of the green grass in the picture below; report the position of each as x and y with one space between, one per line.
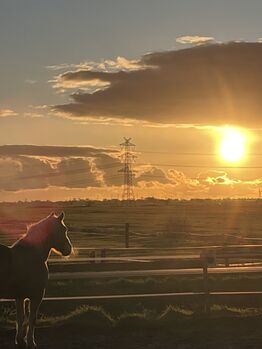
7 316
218 310
164 224
157 284
84 315
97 317
175 311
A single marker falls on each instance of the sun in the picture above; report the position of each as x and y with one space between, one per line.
232 145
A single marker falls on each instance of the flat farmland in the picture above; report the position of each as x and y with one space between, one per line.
156 228
156 224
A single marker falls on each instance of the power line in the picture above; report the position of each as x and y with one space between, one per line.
201 166
66 172
189 153
128 161
89 182
175 153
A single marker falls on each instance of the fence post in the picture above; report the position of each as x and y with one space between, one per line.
93 256
206 258
206 285
127 235
103 255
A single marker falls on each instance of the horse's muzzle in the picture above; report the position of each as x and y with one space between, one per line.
67 250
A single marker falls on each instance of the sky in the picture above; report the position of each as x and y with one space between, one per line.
78 76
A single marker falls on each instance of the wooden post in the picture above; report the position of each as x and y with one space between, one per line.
205 276
127 235
225 251
103 255
93 256
206 285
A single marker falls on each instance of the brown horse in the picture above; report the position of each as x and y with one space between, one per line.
24 271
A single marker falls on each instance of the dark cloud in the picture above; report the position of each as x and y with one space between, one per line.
102 171
208 84
18 173
22 172
153 174
52 151
44 167
109 169
75 173
37 167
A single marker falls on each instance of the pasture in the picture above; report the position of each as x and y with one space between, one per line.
156 228
153 223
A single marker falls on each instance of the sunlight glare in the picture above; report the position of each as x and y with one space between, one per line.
232 146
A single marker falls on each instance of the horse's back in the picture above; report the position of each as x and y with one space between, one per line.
5 258
5 269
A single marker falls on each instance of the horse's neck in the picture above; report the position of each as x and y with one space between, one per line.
40 252
36 241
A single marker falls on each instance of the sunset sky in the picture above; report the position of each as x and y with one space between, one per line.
183 79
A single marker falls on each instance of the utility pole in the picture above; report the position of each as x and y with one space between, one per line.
128 158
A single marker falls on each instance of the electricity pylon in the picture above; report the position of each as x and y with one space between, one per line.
128 158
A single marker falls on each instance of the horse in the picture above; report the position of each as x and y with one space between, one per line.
24 272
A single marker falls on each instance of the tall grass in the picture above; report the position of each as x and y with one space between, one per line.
95 317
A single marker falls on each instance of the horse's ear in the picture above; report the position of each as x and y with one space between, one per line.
51 214
61 216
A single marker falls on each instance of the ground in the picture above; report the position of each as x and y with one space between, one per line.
218 333
234 323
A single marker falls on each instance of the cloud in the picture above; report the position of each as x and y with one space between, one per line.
97 171
39 107
108 168
63 82
106 65
75 173
212 84
53 151
30 81
23 173
7 112
195 39
24 167
152 174
99 177
33 115
14 172
213 177
209 184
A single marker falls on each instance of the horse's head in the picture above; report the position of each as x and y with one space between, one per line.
58 234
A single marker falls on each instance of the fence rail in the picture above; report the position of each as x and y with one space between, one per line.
206 257
144 295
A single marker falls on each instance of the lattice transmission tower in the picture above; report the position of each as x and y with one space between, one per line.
128 159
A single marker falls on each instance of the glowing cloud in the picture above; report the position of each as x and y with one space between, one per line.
194 39
7 112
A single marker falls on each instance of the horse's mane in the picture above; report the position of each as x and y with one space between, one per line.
35 234
36 229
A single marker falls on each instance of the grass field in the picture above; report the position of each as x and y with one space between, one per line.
158 226
152 224
173 327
